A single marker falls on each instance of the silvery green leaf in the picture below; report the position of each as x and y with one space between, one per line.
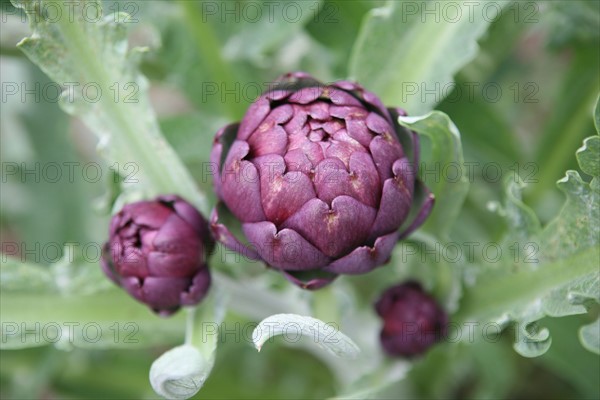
181 372
521 219
588 156
293 326
531 340
565 277
590 336
571 298
88 56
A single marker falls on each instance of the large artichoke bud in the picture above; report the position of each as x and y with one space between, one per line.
412 320
321 177
157 252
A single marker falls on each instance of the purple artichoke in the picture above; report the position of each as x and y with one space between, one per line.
157 252
412 320
321 177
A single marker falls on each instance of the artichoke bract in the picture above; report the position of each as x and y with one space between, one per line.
157 252
322 179
412 320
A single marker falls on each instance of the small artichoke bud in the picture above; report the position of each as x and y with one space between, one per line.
157 252
322 179
412 320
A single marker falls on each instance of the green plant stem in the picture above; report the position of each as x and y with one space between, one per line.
325 305
489 298
109 312
109 305
190 314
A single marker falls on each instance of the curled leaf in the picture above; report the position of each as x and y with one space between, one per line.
532 341
179 373
293 326
590 336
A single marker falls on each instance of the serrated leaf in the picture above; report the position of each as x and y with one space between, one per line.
571 234
570 299
397 54
590 336
521 219
531 340
86 52
291 325
494 296
567 276
446 152
588 156
573 230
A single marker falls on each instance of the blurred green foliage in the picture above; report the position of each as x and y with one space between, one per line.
205 68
